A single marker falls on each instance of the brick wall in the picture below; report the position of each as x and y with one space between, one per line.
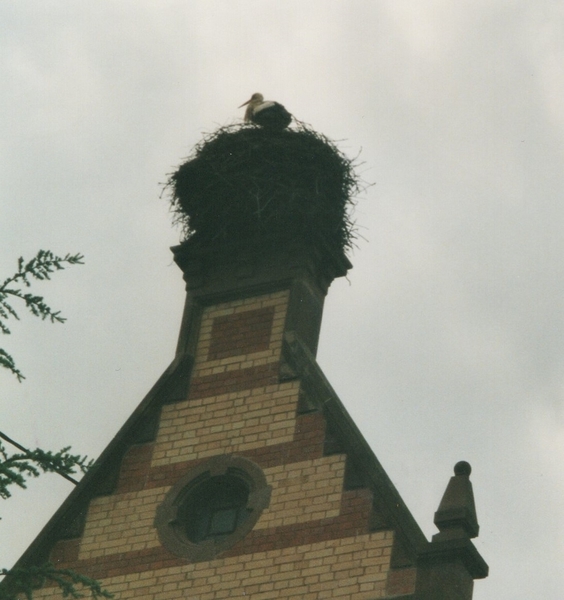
350 568
312 541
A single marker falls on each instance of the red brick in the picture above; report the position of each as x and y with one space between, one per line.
135 468
401 581
241 333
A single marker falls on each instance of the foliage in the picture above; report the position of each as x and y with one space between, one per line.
40 267
21 582
15 468
246 185
24 580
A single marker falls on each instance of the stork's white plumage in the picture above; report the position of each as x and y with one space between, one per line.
266 113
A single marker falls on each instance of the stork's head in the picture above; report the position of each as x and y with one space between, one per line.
254 100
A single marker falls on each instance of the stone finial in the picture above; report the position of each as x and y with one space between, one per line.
450 562
456 515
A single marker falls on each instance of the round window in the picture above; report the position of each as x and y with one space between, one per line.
212 507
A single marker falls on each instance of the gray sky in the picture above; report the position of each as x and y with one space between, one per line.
446 342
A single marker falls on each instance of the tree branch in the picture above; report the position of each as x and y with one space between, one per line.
24 581
39 267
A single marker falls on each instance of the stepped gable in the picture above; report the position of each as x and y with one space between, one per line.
241 474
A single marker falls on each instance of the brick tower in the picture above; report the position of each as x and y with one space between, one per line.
241 475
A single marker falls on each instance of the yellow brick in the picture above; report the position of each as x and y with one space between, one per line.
287 574
191 443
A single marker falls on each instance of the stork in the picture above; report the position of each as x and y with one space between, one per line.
267 114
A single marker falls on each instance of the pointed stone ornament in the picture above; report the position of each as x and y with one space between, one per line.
456 515
451 562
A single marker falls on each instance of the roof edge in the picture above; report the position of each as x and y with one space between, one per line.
303 363
170 384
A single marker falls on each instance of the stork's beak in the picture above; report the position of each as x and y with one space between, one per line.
245 103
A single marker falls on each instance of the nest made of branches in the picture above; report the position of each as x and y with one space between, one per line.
244 185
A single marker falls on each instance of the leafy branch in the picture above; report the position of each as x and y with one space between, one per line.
15 468
24 581
40 267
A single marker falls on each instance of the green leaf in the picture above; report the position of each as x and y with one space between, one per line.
24 581
39 267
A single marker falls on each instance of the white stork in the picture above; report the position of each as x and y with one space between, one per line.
267 114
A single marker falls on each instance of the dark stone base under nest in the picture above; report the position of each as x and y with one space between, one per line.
245 186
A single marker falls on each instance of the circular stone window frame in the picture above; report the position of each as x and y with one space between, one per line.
172 532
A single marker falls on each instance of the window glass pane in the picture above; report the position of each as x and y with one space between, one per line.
215 507
223 521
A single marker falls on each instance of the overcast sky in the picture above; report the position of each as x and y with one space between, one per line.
447 340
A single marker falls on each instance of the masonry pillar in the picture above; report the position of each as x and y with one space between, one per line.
212 277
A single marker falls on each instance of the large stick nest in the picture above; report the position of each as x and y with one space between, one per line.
247 186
